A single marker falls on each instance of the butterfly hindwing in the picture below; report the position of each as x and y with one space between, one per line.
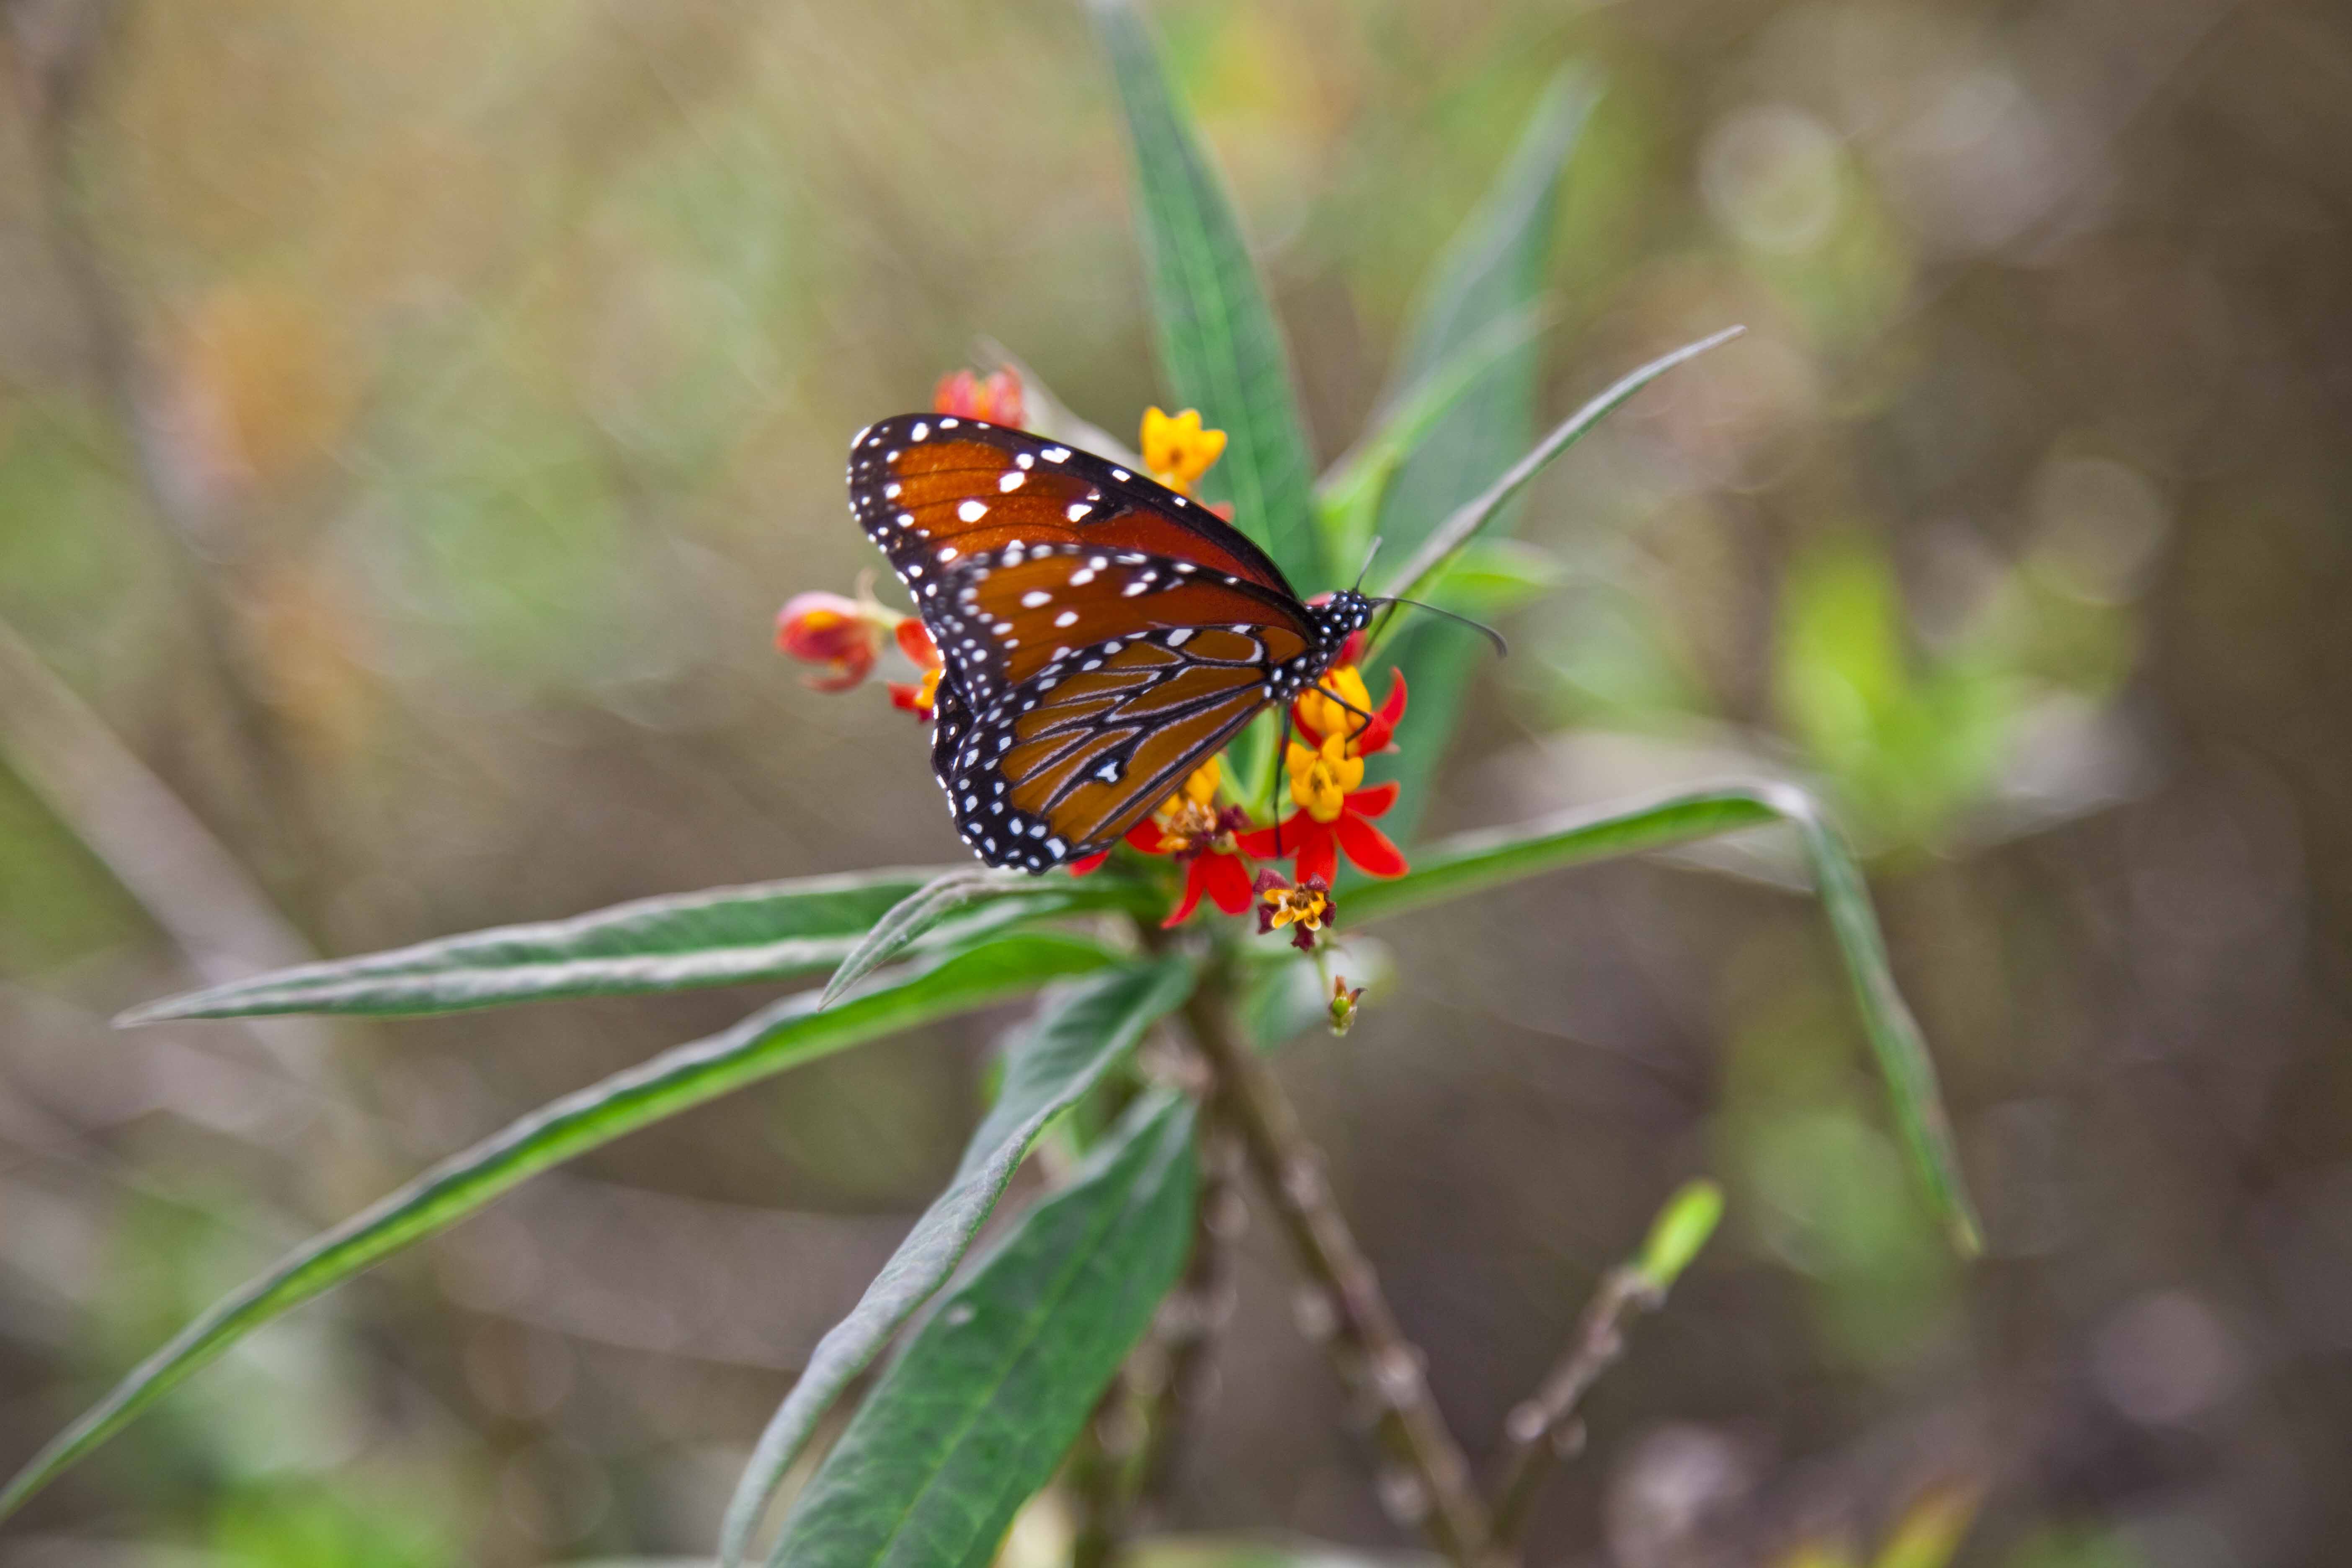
1058 770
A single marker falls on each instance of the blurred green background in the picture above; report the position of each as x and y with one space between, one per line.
412 416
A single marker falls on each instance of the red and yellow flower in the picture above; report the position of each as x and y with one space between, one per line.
1327 782
846 636
1305 907
919 696
841 635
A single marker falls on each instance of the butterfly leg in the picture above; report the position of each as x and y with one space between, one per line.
1369 720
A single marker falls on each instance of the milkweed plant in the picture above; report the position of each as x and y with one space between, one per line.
1164 972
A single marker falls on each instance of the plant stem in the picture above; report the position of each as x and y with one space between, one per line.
1427 1483
1544 1428
1098 1478
1195 1313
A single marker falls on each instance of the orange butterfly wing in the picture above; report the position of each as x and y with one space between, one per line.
1101 636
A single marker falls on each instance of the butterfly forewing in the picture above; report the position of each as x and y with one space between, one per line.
922 483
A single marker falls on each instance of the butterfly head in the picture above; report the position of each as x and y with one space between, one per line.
1339 616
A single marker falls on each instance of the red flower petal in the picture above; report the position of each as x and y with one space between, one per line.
1089 866
914 642
1192 899
1373 802
910 697
1319 855
846 673
1227 881
1258 842
1366 845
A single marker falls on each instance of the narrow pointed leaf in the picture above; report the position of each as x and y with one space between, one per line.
1491 274
915 914
1219 346
785 1034
978 1413
722 936
1348 498
1475 514
1454 867
1081 1036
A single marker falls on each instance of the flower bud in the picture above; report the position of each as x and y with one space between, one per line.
1344 1006
995 399
829 630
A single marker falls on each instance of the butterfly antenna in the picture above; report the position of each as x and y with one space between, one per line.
1361 571
1501 647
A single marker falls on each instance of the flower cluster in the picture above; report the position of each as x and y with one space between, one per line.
1333 816
1200 834
1335 812
845 638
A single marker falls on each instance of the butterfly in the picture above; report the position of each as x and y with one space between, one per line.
1101 635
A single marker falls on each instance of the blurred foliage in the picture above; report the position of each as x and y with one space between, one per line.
490 370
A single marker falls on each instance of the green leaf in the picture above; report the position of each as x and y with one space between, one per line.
1348 498
785 1034
1081 1036
724 936
1454 867
1491 274
977 1413
1475 514
913 915
1218 342
1488 578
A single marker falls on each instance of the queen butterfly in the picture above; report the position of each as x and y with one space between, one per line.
1100 633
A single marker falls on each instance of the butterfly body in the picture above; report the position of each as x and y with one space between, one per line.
1101 636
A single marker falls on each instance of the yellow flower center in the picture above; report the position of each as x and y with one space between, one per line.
926 694
1306 907
1188 819
1322 780
1177 450
1322 706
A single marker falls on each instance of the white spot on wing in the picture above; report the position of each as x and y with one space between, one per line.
972 510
